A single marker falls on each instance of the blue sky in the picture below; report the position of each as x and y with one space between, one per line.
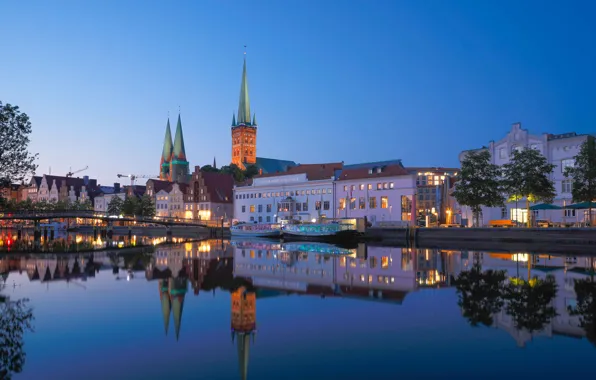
329 80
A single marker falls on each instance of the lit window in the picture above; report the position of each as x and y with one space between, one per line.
384 202
566 186
567 163
385 262
361 186
345 188
252 208
342 203
391 185
379 186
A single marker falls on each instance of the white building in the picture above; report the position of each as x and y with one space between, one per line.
304 192
560 150
381 192
162 205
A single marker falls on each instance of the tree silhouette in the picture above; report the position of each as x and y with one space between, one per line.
529 303
15 319
480 294
585 291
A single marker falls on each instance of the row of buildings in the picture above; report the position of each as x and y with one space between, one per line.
383 192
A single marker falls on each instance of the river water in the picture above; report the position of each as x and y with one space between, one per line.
265 310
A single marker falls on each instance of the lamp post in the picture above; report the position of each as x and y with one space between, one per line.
448 221
391 212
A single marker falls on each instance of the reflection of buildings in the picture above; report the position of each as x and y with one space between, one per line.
171 293
243 324
565 270
380 273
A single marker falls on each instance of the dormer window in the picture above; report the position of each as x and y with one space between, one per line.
379 170
370 171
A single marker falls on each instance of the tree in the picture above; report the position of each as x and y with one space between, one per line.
209 169
480 294
115 206
16 162
129 206
527 175
583 173
15 320
530 302
251 171
235 171
478 184
585 290
146 207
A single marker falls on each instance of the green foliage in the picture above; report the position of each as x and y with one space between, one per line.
527 175
209 169
115 206
583 173
146 207
15 319
530 302
480 294
16 162
478 183
585 291
130 206
235 171
251 171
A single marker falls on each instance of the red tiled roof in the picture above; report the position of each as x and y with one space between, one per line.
362 173
219 185
313 172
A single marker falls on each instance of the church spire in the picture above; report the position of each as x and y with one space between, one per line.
167 144
233 119
254 119
179 153
244 103
214 165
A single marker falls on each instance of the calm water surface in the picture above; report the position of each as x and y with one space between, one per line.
264 310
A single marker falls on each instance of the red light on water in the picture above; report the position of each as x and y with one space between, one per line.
9 242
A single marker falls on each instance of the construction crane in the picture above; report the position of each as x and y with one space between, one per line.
71 173
133 177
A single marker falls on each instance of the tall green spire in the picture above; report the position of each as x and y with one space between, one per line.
244 104
179 151
233 119
167 144
254 119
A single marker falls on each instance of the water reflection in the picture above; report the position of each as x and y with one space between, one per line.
15 319
526 296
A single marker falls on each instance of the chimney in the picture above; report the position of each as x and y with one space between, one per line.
116 187
86 179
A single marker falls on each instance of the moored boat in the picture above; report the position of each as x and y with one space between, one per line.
319 231
256 229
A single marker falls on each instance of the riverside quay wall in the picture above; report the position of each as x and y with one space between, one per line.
556 240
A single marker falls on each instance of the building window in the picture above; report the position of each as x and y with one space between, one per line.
406 208
352 203
384 262
260 208
298 206
243 208
304 206
385 185
567 163
361 186
569 213
342 203
268 218
516 148
502 153
566 186
372 202
503 212
268 208
260 219
252 208
379 186
328 191
384 202
252 218
317 205
326 205
362 203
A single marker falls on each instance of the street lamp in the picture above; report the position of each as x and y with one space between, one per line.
448 221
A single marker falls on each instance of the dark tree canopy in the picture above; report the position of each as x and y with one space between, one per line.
585 290
16 162
527 175
478 183
583 173
115 206
15 319
530 302
145 207
130 206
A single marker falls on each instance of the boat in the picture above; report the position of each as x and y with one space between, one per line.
319 231
256 229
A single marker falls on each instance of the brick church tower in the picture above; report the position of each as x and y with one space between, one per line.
244 131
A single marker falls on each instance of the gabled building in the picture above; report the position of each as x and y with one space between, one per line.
31 189
210 196
105 195
56 188
244 136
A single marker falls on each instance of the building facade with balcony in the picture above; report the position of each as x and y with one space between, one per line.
559 150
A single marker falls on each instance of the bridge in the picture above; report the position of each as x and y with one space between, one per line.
89 214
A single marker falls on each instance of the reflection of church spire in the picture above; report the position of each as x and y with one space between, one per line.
166 305
178 290
243 325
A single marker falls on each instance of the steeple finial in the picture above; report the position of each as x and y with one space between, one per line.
214 165
244 103
233 119
254 119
